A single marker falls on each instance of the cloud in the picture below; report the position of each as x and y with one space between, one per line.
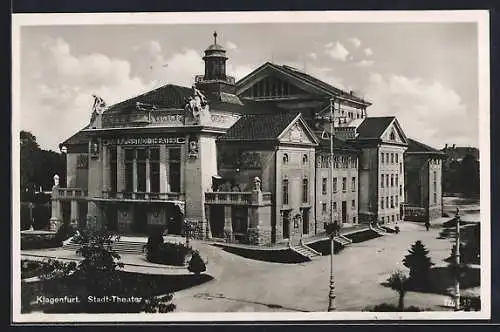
58 102
337 51
368 51
231 46
428 111
356 42
312 56
364 63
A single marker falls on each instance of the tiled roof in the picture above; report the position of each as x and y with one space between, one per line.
259 127
169 95
418 147
311 79
338 145
81 137
374 127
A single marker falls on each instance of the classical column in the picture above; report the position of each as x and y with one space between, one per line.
163 169
120 169
228 223
105 168
206 225
134 174
74 213
148 174
183 167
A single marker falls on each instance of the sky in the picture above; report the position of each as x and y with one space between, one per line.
425 74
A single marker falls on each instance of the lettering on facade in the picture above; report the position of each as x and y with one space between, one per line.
145 140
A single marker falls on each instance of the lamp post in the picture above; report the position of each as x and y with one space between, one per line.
330 228
457 261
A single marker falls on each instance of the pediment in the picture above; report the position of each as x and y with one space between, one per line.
394 134
298 133
270 81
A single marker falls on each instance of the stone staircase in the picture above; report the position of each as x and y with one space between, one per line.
379 229
305 251
121 247
343 240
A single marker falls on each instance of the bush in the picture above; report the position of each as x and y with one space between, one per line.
39 241
65 232
419 264
155 240
169 254
196 264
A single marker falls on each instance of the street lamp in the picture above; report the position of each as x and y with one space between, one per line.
330 227
457 261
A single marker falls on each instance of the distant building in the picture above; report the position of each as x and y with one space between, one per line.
245 161
424 180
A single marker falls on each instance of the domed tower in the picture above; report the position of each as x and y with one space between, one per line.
215 79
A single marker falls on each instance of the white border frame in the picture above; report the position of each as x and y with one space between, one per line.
481 17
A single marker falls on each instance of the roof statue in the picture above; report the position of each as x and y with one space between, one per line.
197 110
98 108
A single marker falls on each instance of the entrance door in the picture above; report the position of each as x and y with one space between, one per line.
305 221
286 224
112 216
217 221
140 221
344 212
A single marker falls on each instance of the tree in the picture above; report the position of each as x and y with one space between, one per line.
398 281
469 175
419 264
196 264
28 153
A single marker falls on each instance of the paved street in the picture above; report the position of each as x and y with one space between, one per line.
247 285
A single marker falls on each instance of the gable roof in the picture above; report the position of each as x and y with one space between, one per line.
80 137
338 145
419 147
302 76
373 128
161 97
260 127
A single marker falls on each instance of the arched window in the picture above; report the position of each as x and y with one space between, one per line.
305 159
392 136
285 158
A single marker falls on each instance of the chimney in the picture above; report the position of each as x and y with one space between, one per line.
453 147
446 146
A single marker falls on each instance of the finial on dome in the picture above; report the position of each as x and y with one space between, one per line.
215 37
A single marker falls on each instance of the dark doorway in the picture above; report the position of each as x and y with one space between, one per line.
344 212
112 217
140 221
305 221
66 212
239 218
286 224
217 221
82 214
174 219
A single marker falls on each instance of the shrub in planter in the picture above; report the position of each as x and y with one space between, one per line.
170 254
196 264
35 241
155 240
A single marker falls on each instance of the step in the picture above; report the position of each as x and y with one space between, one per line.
341 240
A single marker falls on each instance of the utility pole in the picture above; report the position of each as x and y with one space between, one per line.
331 295
457 262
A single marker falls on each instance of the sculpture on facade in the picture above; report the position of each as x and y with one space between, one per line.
97 109
56 181
193 147
257 183
197 110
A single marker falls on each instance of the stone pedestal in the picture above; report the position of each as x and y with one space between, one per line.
228 224
56 215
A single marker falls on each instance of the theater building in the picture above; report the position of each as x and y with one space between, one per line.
423 176
245 161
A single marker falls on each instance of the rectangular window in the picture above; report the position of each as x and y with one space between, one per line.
305 190
435 198
397 180
392 180
387 180
344 184
353 204
387 201
354 218
334 206
174 169
392 218
397 158
324 186
400 190
400 168
154 169
392 202
353 183
334 185
382 158
285 192
382 203
396 199
113 169
141 170
129 170
392 158
382 178
324 208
